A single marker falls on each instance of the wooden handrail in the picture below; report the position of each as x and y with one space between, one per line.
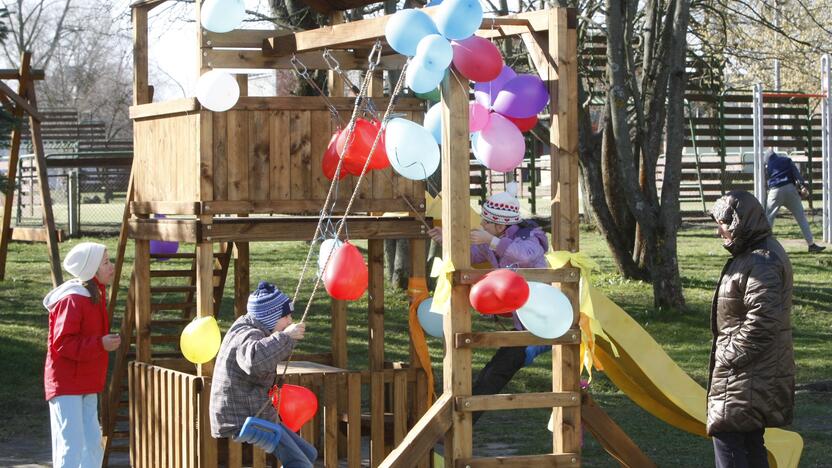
423 436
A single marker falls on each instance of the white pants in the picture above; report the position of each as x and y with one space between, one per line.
788 196
76 433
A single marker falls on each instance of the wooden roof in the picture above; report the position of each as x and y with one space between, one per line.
328 6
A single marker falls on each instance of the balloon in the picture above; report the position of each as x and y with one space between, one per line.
486 92
298 405
422 79
406 28
478 116
477 59
200 340
523 96
330 161
346 276
435 52
221 16
500 145
498 292
412 149
547 313
458 19
430 321
434 3
158 247
327 247
433 122
217 90
433 95
363 135
524 124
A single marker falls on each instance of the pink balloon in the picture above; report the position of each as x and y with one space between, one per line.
478 116
477 59
485 93
500 145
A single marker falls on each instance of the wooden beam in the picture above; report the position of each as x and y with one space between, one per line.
517 401
120 249
241 38
14 74
146 5
375 260
563 91
541 275
174 208
242 278
512 338
180 230
299 206
205 287
25 104
141 91
610 435
423 436
566 460
456 249
362 31
141 272
33 234
230 58
276 229
158 109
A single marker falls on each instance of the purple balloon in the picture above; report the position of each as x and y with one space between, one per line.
485 93
522 97
163 248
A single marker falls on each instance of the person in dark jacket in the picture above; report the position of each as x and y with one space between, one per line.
76 356
751 374
785 188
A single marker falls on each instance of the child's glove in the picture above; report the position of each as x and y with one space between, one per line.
534 351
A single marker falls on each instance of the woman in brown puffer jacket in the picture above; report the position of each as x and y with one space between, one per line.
751 378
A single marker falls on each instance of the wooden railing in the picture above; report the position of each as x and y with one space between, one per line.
169 418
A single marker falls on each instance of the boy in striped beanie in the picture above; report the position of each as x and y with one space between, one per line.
246 365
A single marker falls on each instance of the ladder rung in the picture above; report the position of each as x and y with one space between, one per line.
183 255
119 448
169 323
172 289
155 307
172 273
517 401
163 339
524 461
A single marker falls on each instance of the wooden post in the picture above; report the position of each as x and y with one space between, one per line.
456 250
120 248
141 272
375 256
418 267
14 155
205 285
141 91
334 82
242 281
565 234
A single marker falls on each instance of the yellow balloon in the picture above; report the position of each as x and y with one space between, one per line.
200 340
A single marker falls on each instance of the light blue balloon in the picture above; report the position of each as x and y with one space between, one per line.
434 52
221 16
411 149
548 312
421 79
430 321
458 19
433 122
406 28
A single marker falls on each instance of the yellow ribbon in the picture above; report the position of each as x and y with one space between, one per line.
443 271
589 324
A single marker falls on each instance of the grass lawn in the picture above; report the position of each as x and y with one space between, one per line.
685 337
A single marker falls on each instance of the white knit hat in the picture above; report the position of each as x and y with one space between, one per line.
84 259
503 208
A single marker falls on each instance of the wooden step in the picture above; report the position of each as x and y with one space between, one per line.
164 339
169 322
177 273
156 307
172 289
182 255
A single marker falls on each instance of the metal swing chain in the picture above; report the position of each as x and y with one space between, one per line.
303 72
373 59
335 66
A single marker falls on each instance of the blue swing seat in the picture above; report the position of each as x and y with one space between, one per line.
262 433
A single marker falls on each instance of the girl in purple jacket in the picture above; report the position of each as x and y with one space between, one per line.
505 240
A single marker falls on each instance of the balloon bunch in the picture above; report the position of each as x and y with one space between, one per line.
435 43
217 90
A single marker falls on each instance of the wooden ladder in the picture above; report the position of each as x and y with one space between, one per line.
173 306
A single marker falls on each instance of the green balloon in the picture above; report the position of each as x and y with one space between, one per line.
432 96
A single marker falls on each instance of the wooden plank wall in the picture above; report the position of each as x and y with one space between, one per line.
166 158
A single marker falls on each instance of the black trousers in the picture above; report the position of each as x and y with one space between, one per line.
498 372
740 449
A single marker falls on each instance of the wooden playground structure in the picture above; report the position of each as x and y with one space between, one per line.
217 175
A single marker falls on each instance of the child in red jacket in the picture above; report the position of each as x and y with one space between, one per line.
76 356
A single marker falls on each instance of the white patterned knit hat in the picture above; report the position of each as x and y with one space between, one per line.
503 208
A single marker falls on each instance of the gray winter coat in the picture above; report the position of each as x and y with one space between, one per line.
751 378
243 374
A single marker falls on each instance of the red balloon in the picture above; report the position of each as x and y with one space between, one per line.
297 405
498 292
477 59
363 135
346 277
330 162
523 123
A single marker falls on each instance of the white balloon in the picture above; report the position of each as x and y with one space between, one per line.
547 313
411 149
327 247
221 16
217 91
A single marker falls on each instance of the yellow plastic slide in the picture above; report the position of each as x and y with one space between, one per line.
646 374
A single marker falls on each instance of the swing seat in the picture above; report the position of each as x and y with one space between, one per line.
262 433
